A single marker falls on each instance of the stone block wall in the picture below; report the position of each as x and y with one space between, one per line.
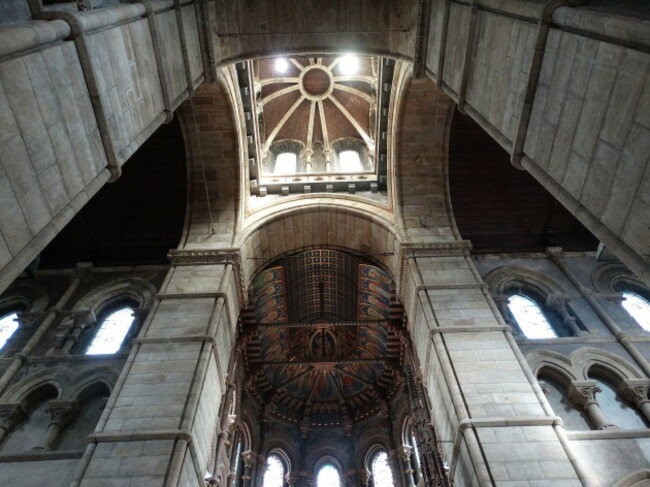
79 93
564 90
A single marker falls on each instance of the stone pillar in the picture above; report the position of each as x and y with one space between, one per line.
482 395
559 304
405 453
637 393
165 405
584 394
63 413
249 457
11 415
81 321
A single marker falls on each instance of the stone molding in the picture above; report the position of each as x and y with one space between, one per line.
183 257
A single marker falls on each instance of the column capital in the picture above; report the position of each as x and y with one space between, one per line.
584 392
249 457
11 415
62 412
636 391
405 452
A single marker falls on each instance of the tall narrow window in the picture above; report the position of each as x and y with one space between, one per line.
112 332
349 161
417 464
382 475
274 475
285 163
8 326
530 318
328 476
638 307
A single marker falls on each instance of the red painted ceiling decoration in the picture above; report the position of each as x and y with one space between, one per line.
324 346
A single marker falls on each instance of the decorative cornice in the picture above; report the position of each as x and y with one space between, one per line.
185 257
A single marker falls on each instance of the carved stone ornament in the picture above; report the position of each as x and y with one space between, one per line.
364 477
584 395
249 457
404 453
11 415
637 394
62 412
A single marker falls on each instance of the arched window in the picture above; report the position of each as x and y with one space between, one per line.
616 409
416 462
530 317
349 161
274 475
8 326
638 307
382 475
573 416
285 163
328 476
112 332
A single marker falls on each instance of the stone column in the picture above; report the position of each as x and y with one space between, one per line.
249 457
11 415
584 394
81 321
405 453
637 393
364 477
559 304
62 413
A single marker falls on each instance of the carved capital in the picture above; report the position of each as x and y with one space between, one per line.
404 453
11 415
636 391
62 412
584 394
249 457
291 480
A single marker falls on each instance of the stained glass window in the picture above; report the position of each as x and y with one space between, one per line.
111 333
285 163
349 161
382 475
328 476
274 475
530 318
638 307
8 325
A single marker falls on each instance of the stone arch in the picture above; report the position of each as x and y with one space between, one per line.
102 375
29 295
19 391
639 478
322 457
554 362
138 290
347 229
607 276
501 278
611 364
279 449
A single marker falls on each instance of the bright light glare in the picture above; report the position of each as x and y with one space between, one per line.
349 161
382 475
638 307
273 477
328 476
111 333
530 318
281 65
285 163
8 325
349 65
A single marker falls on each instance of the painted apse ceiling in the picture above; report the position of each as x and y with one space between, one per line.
322 345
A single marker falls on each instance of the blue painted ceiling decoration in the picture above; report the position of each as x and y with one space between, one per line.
321 339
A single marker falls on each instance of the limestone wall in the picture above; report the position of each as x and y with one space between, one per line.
565 91
79 93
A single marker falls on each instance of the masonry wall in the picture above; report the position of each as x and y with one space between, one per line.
79 93
565 91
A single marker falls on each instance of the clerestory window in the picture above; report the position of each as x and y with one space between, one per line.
285 163
638 307
530 318
328 476
8 326
382 475
274 474
112 331
349 161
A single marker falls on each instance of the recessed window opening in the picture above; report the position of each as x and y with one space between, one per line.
285 163
416 454
8 326
328 476
112 332
349 161
530 318
274 475
382 475
638 307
